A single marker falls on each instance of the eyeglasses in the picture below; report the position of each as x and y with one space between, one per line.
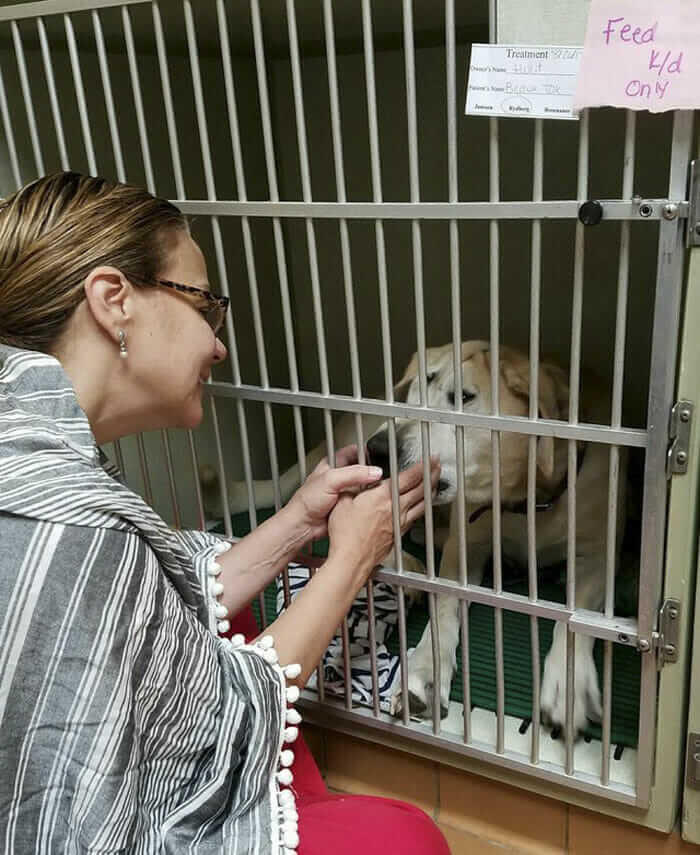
213 311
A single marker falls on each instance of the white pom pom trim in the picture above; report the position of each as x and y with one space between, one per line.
293 717
264 647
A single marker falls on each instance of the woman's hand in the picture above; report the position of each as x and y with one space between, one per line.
318 495
360 527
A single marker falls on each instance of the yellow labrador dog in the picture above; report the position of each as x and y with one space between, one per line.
552 492
551 524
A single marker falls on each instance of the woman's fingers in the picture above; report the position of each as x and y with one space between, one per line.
348 477
417 494
411 477
413 514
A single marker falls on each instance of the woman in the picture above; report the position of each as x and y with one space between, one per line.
127 723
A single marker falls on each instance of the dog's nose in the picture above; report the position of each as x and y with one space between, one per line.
378 451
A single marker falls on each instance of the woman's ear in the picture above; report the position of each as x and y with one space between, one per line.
109 298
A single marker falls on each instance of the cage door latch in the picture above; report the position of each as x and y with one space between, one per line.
665 641
693 761
679 438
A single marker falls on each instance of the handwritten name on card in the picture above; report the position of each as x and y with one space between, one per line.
641 54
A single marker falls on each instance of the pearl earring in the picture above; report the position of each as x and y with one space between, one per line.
123 352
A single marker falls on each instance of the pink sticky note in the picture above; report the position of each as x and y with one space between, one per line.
641 54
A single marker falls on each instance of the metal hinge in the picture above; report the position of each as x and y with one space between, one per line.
665 641
693 233
692 764
679 438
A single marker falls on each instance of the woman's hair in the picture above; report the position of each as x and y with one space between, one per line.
57 229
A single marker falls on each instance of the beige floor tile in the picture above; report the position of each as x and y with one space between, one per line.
502 814
592 833
315 738
463 843
355 766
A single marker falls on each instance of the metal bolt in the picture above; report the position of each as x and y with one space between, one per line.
685 415
673 613
644 645
646 210
623 638
681 457
670 211
669 649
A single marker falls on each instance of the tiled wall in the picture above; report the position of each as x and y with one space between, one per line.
478 816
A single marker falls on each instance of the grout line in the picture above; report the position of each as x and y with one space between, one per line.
436 767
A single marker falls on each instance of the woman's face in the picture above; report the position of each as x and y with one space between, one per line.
172 347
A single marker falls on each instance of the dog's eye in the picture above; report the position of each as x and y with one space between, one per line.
466 397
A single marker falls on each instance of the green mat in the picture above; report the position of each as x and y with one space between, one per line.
517 661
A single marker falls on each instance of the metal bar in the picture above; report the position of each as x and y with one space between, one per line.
271 169
201 521
457 353
545 427
276 226
109 101
53 97
216 230
340 190
669 278
310 233
56 7
410 77
368 51
247 244
223 481
223 277
9 134
121 175
80 94
574 393
150 183
349 297
616 421
120 458
378 210
534 414
168 104
315 280
171 478
494 299
27 94
138 100
516 762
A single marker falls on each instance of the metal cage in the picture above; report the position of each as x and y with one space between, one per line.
80 79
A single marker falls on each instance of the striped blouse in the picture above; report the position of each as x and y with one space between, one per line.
126 723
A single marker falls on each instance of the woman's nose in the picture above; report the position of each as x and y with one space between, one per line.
220 352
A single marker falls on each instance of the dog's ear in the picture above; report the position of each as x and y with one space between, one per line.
411 371
552 394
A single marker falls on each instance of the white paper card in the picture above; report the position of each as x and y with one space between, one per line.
531 81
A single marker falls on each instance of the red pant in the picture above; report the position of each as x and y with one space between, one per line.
350 825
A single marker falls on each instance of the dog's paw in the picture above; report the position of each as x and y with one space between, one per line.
587 703
420 700
420 688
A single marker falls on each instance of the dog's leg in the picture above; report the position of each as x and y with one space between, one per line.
421 682
590 593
